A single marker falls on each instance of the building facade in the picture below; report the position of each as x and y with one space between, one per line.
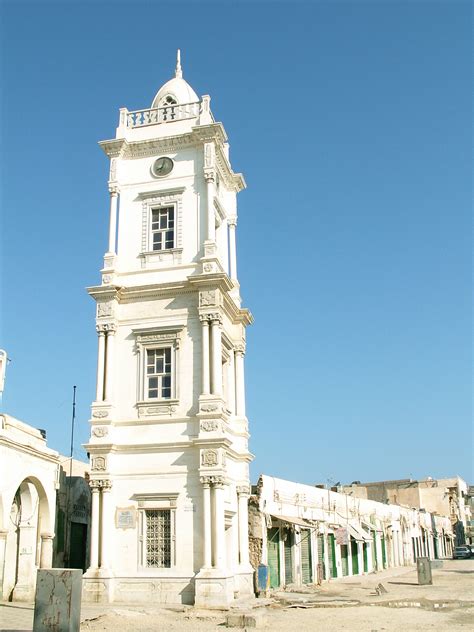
29 479
306 535
442 496
169 433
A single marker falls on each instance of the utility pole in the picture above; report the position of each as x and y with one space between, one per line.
67 525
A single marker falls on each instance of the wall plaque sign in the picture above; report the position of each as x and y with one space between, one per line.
125 517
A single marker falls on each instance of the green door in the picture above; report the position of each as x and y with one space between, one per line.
273 556
366 560
384 552
288 547
306 570
332 555
77 548
344 562
321 556
355 557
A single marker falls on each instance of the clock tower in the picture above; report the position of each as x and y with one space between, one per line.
169 433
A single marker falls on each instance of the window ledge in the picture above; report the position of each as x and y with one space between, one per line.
168 256
157 408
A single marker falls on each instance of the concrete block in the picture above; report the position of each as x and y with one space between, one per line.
423 568
58 600
254 619
235 620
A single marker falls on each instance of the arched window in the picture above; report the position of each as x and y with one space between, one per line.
168 100
168 104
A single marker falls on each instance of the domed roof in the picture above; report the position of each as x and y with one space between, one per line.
176 90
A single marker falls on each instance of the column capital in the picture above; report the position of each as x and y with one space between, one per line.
205 481
113 190
243 490
217 481
232 221
106 484
100 329
204 318
215 318
110 328
94 485
47 536
210 176
240 348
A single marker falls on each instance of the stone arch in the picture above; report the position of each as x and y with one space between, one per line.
28 515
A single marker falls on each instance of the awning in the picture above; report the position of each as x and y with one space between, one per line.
292 520
372 527
358 534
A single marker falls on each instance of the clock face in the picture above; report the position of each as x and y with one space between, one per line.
162 166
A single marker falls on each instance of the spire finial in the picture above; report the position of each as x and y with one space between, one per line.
178 72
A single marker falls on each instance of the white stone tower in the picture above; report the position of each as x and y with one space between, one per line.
169 434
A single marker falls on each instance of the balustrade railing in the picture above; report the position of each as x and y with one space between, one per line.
153 116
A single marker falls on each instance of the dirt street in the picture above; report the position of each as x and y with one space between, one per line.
350 603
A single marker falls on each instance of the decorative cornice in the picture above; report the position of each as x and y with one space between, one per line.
200 134
145 195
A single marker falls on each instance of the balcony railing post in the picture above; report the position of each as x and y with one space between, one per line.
153 116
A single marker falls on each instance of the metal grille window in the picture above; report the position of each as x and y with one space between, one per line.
158 538
158 373
162 228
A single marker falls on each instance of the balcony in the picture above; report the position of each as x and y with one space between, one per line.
155 116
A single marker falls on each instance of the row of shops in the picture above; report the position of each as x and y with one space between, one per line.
306 535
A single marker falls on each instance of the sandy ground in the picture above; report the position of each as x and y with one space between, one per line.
362 618
350 604
446 606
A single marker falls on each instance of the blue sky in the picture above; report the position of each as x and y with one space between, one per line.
352 124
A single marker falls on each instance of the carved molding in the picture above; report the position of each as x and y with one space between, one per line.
207 298
99 464
210 458
105 309
100 414
165 338
210 425
147 410
100 431
209 408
